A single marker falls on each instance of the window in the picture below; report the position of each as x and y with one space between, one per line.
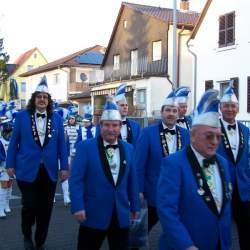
141 96
35 55
225 84
236 86
116 62
227 30
209 84
134 62
125 24
157 50
29 67
23 103
23 86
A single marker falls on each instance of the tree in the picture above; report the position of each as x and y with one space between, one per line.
4 58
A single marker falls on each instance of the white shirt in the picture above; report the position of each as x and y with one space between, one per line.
116 160
41 126
217 183
124 131
233 137
171 139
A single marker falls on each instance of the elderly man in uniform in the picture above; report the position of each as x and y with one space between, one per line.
36 145
234 147
154 143
103 185
183 120
194 189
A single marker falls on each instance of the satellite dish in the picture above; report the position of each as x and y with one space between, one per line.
83 77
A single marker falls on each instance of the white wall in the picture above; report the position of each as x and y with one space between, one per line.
224 63
57 90
185 61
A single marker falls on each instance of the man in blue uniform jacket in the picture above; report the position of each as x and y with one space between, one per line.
194 189
234 147
183 120
103 186
36 145
154 143
130 129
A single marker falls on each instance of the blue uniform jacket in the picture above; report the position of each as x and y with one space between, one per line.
92 187
148 157
133 130
189 217
25 152
240 169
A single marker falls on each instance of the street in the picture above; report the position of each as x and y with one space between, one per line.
63 228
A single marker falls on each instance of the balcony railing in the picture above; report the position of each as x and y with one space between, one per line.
78 87
129 70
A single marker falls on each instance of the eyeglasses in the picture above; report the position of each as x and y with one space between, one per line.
42 97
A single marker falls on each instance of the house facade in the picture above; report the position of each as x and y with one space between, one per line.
25 62
222 45
139 54
69 77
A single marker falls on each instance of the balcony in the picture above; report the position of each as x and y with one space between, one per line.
132 70
78 87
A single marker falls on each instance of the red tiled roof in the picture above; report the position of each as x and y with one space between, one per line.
22 58
165 14
67 61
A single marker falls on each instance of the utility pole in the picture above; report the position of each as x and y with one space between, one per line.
174 45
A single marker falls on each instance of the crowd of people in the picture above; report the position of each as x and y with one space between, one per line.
192 171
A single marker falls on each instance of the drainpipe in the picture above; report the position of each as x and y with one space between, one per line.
178 56
195 69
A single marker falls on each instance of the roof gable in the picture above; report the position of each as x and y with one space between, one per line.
163 14
70 60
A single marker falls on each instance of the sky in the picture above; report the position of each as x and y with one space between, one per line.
61 27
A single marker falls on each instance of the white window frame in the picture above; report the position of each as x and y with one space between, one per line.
116 62
157 50
134 62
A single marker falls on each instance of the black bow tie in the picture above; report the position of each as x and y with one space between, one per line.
124 122
181 120
40 115
114 146
208 162
229 127
170 131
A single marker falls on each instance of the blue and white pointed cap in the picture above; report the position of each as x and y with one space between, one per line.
229 95
171 99
42 86
120 93
87 117
207 111
182 94
110 112
72 111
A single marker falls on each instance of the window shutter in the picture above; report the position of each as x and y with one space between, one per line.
248 94
209 84
227 29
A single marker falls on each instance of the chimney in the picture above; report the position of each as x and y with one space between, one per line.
184 5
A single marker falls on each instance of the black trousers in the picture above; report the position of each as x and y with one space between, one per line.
241 215
92 239
37 204
152 217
